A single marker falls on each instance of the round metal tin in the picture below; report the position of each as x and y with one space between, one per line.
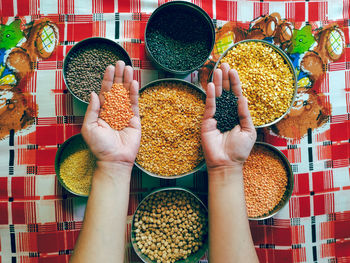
192 7
88 41
202 163
193 257
287 60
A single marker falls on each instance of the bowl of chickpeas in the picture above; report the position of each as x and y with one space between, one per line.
170 225
268 79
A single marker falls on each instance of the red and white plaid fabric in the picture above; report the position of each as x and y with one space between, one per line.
39 221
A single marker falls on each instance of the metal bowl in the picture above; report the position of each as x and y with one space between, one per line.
89 41
202 163
71 145
193 257
290 183
178 6
286 59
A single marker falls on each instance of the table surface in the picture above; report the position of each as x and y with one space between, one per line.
39 221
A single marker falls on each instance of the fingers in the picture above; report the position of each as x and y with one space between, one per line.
245 119
93 110
107 82
235 83
210 105
225 76
128 76
119 71
134 97
217 79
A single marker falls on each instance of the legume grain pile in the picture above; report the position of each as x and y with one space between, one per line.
267 80
226 113
170 226
179 39
171 114
265 181
77 168
86 66
116 110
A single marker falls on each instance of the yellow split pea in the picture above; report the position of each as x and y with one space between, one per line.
171 114
267 80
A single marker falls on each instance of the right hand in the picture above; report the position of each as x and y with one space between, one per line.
232 148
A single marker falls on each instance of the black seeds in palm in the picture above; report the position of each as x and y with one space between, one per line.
226 113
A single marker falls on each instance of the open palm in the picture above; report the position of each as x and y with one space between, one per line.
232 147
106 143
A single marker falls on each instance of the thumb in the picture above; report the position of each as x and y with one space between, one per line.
93 109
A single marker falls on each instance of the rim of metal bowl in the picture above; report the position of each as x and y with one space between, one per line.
86 41
61 149
286 59
196 9
202 163
290 184
193 257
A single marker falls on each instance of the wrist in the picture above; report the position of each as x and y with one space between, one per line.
113 171
225 174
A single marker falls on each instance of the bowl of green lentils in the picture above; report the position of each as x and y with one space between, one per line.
171 112
170 225
267 76
85 64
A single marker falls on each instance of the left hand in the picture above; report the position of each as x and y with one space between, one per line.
107 144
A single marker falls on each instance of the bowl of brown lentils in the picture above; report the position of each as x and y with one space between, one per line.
171 112
170 225
267 76
85 64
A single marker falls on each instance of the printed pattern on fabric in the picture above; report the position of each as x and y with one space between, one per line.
40 221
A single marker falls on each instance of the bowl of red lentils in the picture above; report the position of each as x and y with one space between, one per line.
268 181
267 76
171 112
170 225
75 165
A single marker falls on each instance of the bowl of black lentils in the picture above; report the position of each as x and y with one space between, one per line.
179 37
86 62
170 225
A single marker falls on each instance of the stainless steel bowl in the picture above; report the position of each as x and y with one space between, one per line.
178 6
89 41
286 59
290 182
71 145
194 257
202 163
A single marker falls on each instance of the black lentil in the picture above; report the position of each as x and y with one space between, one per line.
179 39
226 113
86 66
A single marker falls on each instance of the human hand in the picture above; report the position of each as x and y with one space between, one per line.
231 148
107 144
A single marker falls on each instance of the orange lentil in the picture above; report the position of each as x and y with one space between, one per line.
116 110
265 181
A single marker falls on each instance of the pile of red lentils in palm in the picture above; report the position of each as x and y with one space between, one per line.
116 110
265 181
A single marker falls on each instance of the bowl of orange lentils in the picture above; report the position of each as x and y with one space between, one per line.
268 181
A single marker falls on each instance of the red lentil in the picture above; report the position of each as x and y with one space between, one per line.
116 110
265 181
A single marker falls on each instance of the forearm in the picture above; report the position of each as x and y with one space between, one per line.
230 237
102 237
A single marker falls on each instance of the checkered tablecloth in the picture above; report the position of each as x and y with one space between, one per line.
39 221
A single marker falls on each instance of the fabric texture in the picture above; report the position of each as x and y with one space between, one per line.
40 221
